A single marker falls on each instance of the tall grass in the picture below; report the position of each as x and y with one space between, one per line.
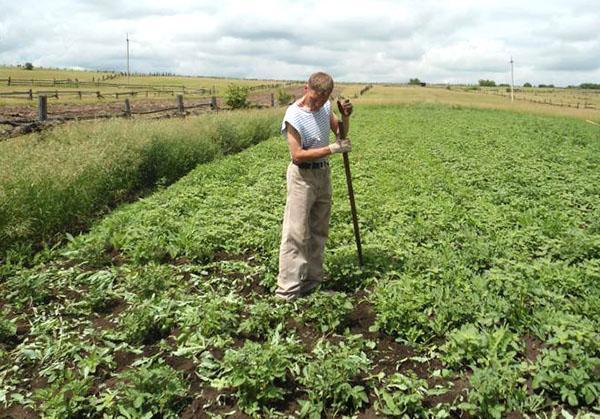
60 180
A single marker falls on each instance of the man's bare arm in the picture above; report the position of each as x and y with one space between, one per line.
298 153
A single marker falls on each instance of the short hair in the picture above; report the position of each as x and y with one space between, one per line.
321 82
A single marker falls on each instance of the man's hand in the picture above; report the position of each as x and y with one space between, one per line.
345 108
341 146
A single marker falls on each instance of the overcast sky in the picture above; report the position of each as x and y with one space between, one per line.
552 41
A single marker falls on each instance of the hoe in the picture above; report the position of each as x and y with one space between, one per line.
343 124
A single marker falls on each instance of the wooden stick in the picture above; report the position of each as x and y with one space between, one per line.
342 134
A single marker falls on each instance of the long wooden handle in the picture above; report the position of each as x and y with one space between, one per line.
342 134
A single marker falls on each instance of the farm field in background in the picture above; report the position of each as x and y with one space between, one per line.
578 103
490 98
480 293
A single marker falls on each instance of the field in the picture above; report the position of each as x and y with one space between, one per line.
158 88
480 295
490 98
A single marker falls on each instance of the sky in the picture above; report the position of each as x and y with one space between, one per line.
462 41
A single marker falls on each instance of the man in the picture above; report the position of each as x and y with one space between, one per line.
306 125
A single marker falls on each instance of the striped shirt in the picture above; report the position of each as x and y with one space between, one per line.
313 127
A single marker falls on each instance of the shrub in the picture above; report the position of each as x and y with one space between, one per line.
236 96
283 97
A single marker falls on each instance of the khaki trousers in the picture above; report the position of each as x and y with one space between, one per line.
305 230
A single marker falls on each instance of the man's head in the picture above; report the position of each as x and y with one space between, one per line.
318 89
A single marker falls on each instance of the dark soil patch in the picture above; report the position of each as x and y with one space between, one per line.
362 318
113 306
212 402
459 385
252 285
124 359
228 256
18 412
307 335
533 347
180 363
102 323
387 355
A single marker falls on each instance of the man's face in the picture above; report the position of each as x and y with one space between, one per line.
316 99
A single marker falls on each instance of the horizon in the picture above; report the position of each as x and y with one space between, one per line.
167 74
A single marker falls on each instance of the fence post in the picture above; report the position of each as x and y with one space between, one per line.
8 80
272 100
180 108
213 103
42 107
30 94
127 108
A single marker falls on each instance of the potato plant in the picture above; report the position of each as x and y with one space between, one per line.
481 233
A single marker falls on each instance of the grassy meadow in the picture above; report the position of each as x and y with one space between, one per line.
479 296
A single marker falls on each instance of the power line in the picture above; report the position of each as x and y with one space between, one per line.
127 39
512 80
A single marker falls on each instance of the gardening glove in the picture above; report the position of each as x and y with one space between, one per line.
341 146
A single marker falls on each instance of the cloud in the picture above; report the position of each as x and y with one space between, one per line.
382 40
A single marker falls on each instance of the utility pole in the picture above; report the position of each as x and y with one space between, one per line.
127 38
512 80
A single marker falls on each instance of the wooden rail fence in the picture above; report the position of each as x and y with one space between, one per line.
130 89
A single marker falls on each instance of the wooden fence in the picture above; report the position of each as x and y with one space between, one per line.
130 89
21 126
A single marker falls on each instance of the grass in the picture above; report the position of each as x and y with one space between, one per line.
59 180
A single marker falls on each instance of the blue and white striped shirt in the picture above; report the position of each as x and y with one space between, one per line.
313 127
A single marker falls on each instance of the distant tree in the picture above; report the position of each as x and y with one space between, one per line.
415 81
546 85
487 83
28 66
527 84
504 85
589 86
